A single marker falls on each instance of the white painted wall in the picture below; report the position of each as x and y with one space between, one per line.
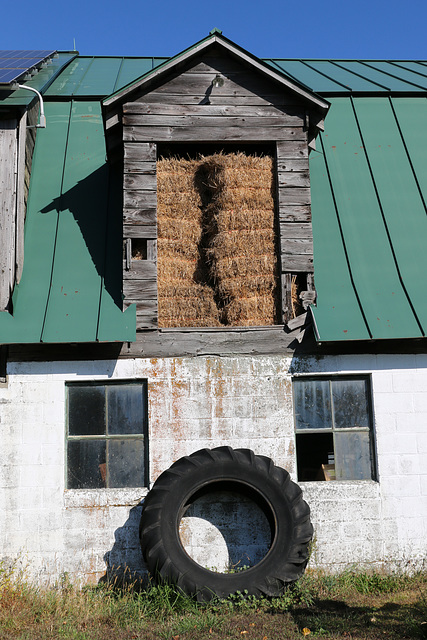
208 402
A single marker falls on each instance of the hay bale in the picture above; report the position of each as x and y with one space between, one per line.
217 255
242 250
183 299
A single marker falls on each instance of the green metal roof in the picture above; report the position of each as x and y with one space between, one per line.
70 290
369 193
100 76
103 76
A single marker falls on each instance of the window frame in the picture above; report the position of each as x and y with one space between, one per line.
331 377
106 437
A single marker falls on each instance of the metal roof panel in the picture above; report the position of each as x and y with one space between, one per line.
309 76
372 265
338 315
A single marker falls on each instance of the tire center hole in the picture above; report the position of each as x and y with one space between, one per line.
225 530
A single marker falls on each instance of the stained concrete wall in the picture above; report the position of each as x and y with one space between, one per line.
208 402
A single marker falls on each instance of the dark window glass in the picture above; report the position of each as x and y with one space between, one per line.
107 425
86 410
125 409
338 412
126 463
86 464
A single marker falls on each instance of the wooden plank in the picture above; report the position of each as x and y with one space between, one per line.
292 164
286 288
140 270
201 134
291 149
146 313
294 196
140 290
207 120
140 231
296 230
242 341
139 199
297 263
8 169
240 111
296 246
268 99
152 249
136 166
139 216
20 197
293 179
140 181
241 84
142 151
294 213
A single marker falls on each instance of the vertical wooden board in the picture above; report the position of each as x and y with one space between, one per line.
8 160
20 197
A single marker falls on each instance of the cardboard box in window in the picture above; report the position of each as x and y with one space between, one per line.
327 472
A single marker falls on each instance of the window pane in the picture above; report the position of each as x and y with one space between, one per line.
125 409
86 410
126 463
351 408
86 464
353 455
312 404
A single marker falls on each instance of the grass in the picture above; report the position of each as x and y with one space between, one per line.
351 605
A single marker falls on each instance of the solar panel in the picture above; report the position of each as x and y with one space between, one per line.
14 64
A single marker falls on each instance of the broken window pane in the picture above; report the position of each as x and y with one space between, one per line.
339 410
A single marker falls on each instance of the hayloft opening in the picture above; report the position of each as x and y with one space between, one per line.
217 236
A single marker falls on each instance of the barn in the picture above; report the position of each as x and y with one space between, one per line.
211 250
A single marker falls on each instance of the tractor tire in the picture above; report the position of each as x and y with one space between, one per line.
251 475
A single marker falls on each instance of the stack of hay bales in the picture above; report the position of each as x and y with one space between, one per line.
217 254
184 298
242 248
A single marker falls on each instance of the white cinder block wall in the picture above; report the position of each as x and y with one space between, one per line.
207 402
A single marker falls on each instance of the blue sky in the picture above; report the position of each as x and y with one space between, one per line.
278 28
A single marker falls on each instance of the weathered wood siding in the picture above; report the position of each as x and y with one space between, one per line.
8 185
187 108
17 140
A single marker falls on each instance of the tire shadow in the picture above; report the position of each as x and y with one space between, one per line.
124 562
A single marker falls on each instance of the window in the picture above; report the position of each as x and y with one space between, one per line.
106 435
333 424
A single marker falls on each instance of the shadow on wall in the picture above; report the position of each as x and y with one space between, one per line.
124 561
222 531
